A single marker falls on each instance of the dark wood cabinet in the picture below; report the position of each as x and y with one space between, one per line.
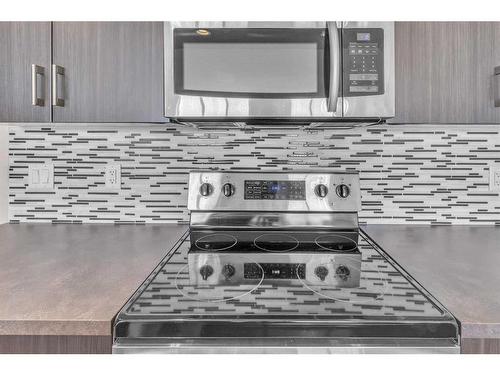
55 344
444 72
97 71
24 50
113 72
109 71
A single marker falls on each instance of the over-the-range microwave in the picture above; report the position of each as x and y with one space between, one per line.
311 71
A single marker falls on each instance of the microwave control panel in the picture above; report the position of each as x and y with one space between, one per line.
363 60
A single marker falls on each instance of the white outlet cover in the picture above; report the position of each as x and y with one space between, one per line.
113 176
41 177
494 177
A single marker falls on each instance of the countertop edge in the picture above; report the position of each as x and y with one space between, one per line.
480 330
56 327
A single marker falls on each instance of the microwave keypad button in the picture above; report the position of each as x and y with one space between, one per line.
363 77
363 88
364 62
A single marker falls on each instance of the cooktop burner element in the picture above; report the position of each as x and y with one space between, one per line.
277 262
216 242
336 242
276 242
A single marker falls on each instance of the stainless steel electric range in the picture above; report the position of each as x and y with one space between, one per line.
276 263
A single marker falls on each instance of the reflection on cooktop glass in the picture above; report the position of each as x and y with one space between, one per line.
382 292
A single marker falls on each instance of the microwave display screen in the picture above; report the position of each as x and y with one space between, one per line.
363 37
253 63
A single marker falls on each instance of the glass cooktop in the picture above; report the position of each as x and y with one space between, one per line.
263 297
383 291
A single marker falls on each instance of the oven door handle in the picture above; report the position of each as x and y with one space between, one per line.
333 37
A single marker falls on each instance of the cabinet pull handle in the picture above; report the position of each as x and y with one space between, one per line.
37 70
496 86
57 100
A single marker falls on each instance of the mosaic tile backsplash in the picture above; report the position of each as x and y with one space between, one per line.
419 174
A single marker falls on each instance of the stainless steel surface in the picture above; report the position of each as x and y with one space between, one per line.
383 325
57 99
201 107
335 55
240 281
283 220
192 106
217 201
37 70
374 106
290 346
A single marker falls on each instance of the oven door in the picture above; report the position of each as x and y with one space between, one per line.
241 70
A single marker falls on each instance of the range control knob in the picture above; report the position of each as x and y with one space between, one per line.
206 271
228 271
206 189
321 272
321 190
342 272
343 191
228 189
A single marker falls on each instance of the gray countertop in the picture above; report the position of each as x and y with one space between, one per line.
459 265
58 279
72 279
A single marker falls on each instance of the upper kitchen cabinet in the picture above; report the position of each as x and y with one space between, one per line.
445 71
107 72
24 71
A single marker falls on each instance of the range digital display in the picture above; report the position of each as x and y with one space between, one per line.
275 190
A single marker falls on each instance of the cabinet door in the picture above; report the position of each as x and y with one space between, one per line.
444 72
22 45
113 71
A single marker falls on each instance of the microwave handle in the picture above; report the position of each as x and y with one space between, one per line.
333 36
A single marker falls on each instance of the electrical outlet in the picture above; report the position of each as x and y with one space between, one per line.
41 177
494 177
113 176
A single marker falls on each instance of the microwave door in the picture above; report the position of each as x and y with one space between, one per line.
252 70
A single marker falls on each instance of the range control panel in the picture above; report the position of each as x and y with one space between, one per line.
282 190
274 191
363 51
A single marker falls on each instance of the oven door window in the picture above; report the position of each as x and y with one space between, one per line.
251 62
